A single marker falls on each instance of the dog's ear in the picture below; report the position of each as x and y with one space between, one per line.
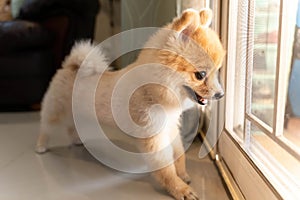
187 24
206 16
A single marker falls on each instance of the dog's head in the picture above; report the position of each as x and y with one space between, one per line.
195 51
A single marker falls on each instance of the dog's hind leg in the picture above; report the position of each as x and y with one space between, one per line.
50 122
42 143
43 138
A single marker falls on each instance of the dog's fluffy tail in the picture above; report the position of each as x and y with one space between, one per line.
88 57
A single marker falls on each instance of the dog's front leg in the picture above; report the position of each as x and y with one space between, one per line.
168 178
166 174
180 165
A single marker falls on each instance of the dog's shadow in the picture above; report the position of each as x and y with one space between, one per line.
76 161
76 167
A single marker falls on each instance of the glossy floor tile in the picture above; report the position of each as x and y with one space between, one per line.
70 172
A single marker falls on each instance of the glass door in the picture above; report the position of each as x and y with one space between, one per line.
260 144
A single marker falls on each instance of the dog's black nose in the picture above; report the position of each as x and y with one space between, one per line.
219 95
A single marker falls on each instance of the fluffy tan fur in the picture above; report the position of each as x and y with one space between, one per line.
203 53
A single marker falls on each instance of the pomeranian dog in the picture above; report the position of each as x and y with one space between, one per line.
194 53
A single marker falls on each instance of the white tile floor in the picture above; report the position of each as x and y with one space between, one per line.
68 172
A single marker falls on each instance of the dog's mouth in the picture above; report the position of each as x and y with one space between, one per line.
193 95
201 100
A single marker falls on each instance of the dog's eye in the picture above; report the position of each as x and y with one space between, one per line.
200 75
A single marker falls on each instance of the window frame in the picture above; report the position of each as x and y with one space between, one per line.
276 186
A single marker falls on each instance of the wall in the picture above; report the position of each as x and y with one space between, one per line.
103 28
128 14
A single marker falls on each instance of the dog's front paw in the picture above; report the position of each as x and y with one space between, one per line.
186 178
186 193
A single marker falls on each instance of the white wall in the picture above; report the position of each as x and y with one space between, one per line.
130 14
137 13
103 28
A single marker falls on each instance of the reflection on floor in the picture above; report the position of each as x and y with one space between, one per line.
68 172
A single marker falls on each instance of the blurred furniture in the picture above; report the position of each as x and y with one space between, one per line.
5 13
34 44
